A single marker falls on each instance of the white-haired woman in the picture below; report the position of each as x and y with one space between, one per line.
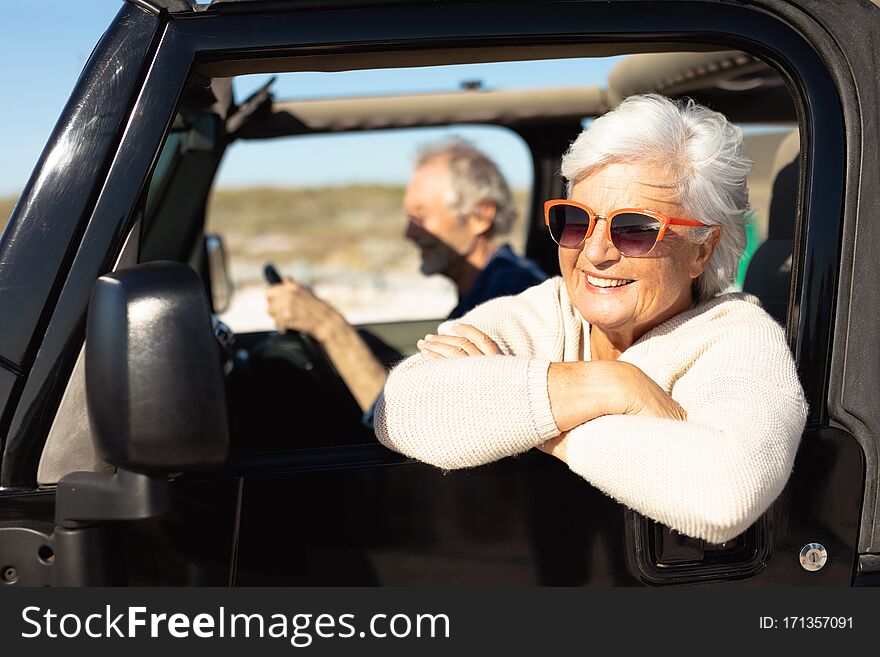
636 366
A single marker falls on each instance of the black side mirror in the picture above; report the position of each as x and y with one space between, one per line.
218 269
154 385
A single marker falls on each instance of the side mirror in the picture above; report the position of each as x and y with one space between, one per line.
154 386
221 283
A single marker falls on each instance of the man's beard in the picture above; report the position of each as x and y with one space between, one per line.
436 259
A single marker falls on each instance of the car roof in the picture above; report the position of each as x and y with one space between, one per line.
733 82
192 6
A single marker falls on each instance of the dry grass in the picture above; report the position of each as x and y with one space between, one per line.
319 233
310 227
262 210
7 205
308 232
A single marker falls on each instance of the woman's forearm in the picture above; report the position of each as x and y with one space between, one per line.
709 479
468 411
464 412
584 390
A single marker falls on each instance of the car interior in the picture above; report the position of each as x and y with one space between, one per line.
276 379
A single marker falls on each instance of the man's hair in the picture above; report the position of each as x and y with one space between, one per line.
475 179
704 156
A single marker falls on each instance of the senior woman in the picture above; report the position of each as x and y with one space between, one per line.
636 367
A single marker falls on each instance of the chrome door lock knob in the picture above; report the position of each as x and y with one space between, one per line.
813 556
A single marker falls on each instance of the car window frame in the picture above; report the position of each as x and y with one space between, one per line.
189 41
517 237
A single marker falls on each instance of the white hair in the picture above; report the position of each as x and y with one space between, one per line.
475 179
704 155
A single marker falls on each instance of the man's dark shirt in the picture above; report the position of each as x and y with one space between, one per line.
505 274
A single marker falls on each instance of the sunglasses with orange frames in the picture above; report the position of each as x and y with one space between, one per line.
632 231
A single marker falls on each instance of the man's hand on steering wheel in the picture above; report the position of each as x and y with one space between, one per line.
295 308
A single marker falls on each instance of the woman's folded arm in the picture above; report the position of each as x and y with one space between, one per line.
464 412
710 476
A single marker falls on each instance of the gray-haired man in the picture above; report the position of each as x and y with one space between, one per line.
456 203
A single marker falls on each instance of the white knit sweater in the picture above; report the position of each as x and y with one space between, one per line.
725 361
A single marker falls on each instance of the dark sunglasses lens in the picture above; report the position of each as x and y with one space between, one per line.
634 234
568 224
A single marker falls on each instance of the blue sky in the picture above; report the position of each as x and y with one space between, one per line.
43 51
43 48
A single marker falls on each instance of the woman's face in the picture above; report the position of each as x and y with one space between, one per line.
661 282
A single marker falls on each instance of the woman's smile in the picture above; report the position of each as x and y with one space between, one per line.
606 284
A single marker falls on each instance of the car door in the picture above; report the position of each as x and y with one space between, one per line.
80 216
356 514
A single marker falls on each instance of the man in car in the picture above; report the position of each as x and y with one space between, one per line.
457 204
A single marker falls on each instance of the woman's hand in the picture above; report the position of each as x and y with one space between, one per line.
631 392
469 341
584 390
557 447
643 396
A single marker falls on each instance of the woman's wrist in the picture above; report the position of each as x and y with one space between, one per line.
557 447
584 390
622 391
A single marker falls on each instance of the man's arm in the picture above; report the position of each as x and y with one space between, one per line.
359 368
294 307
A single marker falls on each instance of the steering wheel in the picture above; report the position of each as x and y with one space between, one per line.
311 356
302 352
225 342
283 391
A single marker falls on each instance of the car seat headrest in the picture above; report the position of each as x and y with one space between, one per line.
783 199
